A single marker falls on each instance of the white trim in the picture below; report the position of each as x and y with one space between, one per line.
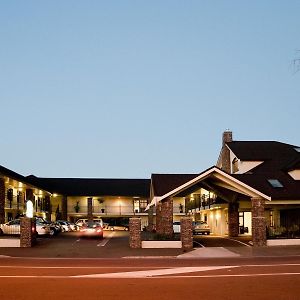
220 175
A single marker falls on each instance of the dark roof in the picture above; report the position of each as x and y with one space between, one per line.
164 183
11 174
280 154
94 187
279 158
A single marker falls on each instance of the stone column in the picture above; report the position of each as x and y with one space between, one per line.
233 219
90 209
186 233
259 238
135 233
150 219
225 153
27 232
2 201
64 208
166 221
158 218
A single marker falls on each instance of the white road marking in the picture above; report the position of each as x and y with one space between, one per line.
151 273
106 240
152 277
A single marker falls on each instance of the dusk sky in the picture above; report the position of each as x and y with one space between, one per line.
123 89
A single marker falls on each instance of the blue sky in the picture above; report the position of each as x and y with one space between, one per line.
123 89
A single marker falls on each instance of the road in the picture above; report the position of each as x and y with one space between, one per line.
236 278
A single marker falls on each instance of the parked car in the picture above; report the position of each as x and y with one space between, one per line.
118 227
65 227
13 228
176 227
73 226
91 229
201 227
55 228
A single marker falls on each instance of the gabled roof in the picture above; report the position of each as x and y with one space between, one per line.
163 183
213 172
279 154
94 186
279 158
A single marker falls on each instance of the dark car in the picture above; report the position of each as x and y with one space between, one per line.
91 229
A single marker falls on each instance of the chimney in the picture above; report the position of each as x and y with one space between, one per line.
225 153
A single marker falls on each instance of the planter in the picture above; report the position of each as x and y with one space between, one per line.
283 242
161 244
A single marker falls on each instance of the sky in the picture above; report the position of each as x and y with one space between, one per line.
123 89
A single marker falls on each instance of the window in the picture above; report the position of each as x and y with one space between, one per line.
275 183
235 165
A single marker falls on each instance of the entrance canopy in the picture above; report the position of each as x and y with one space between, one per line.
216 180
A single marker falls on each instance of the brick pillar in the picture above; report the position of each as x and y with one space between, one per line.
47 207
158 218
135 233
2 201
233 219
186 233
27 232
64 208
166 215
259 238
150 219
90 209
225 153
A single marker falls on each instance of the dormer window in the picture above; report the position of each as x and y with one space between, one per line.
275 183
235 165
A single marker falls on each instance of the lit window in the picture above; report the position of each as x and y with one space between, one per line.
275 183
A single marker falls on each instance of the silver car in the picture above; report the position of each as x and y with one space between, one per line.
201 227
13 228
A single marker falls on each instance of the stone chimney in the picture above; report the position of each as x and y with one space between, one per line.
225 153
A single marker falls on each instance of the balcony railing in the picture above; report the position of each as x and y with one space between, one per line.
108 210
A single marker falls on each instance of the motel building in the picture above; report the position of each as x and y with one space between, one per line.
254 189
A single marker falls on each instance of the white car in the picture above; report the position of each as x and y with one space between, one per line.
65 227
13 228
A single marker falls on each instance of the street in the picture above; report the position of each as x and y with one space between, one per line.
238 278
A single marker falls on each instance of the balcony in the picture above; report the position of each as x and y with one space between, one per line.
118 210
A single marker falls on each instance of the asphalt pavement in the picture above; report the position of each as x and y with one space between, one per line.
115 245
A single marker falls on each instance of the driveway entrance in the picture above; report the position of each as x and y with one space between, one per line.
219 241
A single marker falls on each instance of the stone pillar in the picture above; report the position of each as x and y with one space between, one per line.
166 218
150 219
135 233
158 217
2 201
186 233
64 208
259 238
225 153
27 232
90 209
233 219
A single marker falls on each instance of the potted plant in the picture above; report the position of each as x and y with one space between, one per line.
181 208
77 207
101 201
